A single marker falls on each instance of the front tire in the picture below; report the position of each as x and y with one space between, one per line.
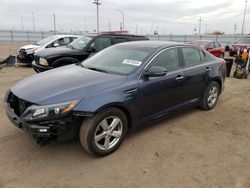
211 96
103 133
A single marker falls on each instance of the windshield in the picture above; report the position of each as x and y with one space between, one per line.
80 43
118 59
46 40
244 41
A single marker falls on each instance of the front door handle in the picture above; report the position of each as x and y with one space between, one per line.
179 77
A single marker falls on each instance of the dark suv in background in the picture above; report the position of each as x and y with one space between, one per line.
78 50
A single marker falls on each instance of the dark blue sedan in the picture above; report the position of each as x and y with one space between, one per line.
122 87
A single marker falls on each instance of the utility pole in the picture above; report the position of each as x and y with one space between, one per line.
136 29
54 23
22 23
206 28
122 12
244 16
152 25
200 26
33 19
97 14
235 31
85 24
109 26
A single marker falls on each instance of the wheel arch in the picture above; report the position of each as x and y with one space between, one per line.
71 60
218 80
120 107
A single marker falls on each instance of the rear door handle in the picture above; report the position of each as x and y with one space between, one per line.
208 69
179 77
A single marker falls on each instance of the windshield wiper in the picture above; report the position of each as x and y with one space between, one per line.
96 69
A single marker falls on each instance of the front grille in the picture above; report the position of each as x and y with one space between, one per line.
36 58
22 53
17 104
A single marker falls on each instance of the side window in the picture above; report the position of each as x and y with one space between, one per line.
202 56
60 41
66 40
168 59
120 40
72 39
217 45
101 43
191 56
210 45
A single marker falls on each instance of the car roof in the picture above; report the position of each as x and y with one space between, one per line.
59 36
121 35
205 41
154 44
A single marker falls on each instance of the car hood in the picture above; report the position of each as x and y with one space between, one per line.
64 84
56 51
30 46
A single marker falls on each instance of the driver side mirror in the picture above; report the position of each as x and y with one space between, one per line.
91 49
155 71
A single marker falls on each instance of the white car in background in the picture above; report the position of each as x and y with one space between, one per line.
26 52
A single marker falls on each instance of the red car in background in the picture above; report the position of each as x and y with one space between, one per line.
214 48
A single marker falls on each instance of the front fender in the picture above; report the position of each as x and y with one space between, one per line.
96 103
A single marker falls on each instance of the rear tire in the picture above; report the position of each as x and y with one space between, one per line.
211 96
103 133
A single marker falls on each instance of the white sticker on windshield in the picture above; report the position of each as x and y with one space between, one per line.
132 62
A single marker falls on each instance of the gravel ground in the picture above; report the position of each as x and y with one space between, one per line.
193 149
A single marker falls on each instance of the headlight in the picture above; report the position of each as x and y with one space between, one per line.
31 50
49 111
43 62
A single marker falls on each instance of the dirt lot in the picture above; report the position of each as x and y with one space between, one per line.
193 149
7 49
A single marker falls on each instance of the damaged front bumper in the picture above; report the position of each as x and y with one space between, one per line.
44 132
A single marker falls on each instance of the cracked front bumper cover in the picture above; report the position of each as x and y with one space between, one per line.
32 129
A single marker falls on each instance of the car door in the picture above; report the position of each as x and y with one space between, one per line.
219 49
196 71
211 48
158 94
99 44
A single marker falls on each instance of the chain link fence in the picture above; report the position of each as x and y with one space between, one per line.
29 36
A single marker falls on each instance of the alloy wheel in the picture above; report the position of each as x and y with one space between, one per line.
108 133
212 96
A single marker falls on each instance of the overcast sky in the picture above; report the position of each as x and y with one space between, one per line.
165 16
